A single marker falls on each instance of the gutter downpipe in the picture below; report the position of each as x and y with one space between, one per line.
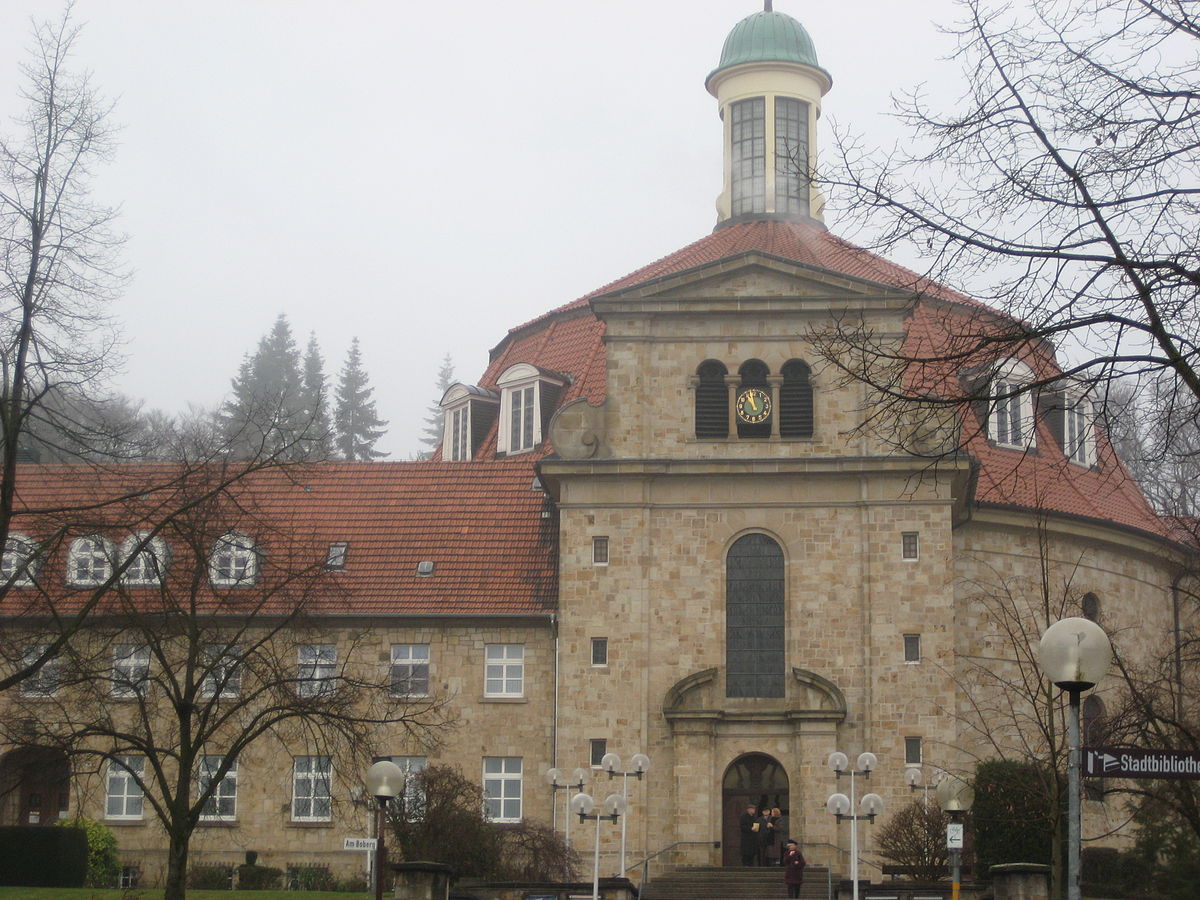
554 727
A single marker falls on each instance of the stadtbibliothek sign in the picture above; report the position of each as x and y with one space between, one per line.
1124 762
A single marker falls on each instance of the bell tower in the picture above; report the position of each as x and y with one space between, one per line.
769 87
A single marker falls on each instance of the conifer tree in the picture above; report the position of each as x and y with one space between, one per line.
316 401
266 413
431 435
358 427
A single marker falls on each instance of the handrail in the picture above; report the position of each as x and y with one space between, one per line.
645 863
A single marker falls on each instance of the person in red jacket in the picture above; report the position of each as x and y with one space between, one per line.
793 868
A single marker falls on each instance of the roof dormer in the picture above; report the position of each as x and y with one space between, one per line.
469 412
528 397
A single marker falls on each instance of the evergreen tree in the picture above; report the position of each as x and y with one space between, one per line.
266 413
316 401
358 427
432 433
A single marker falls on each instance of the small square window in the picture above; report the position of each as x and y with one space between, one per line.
910 545
425 568
912 648
337 555
599 651
912 751
599 747
600 551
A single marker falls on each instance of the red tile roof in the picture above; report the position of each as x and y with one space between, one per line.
480 523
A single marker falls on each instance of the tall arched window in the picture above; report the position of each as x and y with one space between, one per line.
796 400
712 401
753 374
754 651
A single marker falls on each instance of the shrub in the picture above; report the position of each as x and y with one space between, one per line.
356 884
311 877
258 878
1012 815
103 864
33 856
210 877
915 836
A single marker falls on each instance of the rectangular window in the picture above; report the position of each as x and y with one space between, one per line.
599 746
599 651
222 805
521 418
504 673
460 434
791 156
410 670
910 545
1011 421
222 675
312 778
749 156
600 551
502 788
45 681
336 559
123 794
912 751
316 669
912 648
1077 434
130 669
411 796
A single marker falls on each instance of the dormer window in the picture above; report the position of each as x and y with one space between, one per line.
89 561
1079 442
1010 421
234 561
18 565
528 396
469 413
147 565
335 559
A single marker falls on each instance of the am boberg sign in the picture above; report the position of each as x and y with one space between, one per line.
1126 762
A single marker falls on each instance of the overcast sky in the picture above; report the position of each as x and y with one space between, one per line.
424 175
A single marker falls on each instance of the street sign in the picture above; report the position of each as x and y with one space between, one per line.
954 835
358 844
1124 762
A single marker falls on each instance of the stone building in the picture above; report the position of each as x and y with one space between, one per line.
656 525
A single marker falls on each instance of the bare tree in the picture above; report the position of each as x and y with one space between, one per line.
1060 190
206 648
915 837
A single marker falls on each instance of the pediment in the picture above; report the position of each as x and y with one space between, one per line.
809 696
752 275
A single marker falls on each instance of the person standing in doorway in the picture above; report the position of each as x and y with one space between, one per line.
749 825
793 868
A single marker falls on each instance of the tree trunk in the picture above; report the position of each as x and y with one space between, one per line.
177 857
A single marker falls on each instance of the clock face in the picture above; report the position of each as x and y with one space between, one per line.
753 405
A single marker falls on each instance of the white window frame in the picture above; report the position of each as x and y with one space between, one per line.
411 792
223 667
316 669
504 670
600 549
121 785
312 788
45 681
335 557
89 561
458 433
234 560
911 743
525 382
601 644
130 669
912 642
1011 421
148 566
408 659
597 748
1079 430
18 563
222 805
502 788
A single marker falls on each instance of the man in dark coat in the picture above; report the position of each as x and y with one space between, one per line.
749 825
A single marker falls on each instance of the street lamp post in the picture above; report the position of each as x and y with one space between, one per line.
385 780
1074 654
611 763
842 807
912 776
580 777
583 806
955 796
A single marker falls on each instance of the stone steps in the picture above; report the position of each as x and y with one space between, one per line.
732 883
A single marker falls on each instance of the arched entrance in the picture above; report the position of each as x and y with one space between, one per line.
35 785
757 779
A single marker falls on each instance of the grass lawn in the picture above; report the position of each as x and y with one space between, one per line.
28 893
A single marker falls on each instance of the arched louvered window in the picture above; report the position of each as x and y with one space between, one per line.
796 400
753 374
754 651
712 401
1091 606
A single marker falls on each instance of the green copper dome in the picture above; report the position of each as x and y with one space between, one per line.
767 37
